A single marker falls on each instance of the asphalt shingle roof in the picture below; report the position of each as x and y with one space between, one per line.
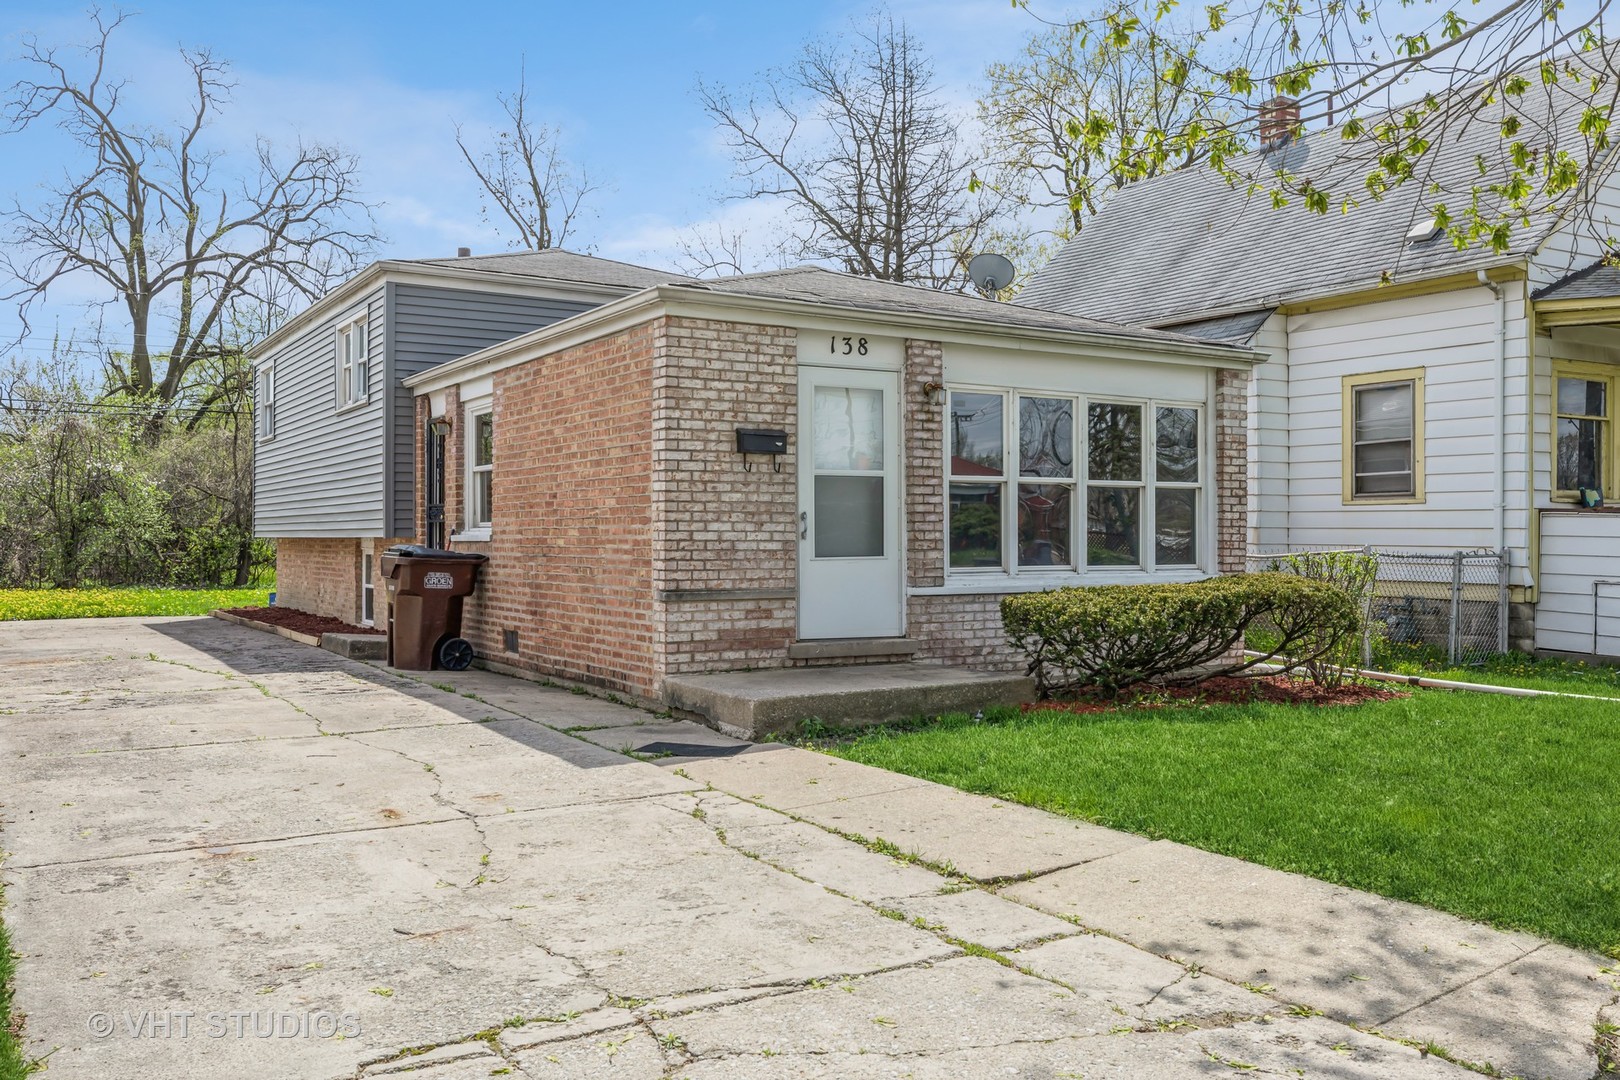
560 265
819 285
1187 245
1597 280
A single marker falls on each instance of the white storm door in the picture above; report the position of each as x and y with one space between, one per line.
849 504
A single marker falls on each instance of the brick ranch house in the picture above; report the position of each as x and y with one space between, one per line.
938 452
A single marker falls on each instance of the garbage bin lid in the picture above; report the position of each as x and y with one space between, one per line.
422 551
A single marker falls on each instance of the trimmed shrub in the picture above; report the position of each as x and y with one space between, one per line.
1109 637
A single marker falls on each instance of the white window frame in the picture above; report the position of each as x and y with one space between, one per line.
474 529
353 367
1077 571
265 399
368 591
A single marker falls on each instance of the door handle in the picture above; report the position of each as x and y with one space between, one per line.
804 524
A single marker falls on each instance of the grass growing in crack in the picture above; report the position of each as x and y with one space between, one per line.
1407 797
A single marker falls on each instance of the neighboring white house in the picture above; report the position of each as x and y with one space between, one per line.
1417 397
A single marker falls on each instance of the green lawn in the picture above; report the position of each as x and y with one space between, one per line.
1495 808
96 603
1509 669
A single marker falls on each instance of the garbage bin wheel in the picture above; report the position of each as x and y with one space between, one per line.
455 654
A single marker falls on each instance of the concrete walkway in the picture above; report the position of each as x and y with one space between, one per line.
221 844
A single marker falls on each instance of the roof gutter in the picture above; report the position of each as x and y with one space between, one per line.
680 300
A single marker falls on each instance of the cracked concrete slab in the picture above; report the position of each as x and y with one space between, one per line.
99 806
1361 958
489 895
379 926
653 904
673 741
985 839
1136 983
955 1004
520 765
148 720
787 778
553 706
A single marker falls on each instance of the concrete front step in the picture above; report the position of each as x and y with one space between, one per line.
755 703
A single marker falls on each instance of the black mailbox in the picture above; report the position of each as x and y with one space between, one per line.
761 441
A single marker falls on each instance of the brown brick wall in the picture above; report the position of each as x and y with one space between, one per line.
321 575
631 543
924 421
719 527
1232 470
569 565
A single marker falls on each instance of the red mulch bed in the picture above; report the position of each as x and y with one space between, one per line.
1268 689
301 622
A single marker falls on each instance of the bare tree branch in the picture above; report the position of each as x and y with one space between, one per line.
145 217
526 177
854 137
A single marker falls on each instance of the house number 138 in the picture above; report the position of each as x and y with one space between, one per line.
843 346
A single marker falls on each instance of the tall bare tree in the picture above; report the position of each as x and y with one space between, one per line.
526 177
854 137
175 236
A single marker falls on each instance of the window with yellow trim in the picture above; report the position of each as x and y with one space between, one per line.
1583 428
1383 436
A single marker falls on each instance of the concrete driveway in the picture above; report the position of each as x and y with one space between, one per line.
234 856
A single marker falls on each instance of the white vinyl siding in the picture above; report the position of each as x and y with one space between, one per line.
1451 336
1577 550
1268 439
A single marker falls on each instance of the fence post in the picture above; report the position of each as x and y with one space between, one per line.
1502 594
1454 639
1366 615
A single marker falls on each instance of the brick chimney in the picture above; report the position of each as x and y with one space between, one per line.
463 253
1279 121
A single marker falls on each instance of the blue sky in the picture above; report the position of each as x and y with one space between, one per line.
390 81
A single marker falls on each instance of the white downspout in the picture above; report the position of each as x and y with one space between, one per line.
1500 491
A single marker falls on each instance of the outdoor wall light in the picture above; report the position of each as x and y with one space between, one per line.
439 427
931 391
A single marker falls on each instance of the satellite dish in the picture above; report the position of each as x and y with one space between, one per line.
990 272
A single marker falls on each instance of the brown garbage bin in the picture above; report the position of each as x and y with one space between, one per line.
425 589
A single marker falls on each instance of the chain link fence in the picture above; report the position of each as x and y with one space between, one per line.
1428 606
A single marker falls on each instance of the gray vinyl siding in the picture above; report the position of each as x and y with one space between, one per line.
322 472
430 325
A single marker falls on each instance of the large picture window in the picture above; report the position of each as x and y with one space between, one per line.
1383 437
1583 429
1090 484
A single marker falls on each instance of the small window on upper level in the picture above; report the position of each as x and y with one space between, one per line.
1383 436
265 400
353 363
